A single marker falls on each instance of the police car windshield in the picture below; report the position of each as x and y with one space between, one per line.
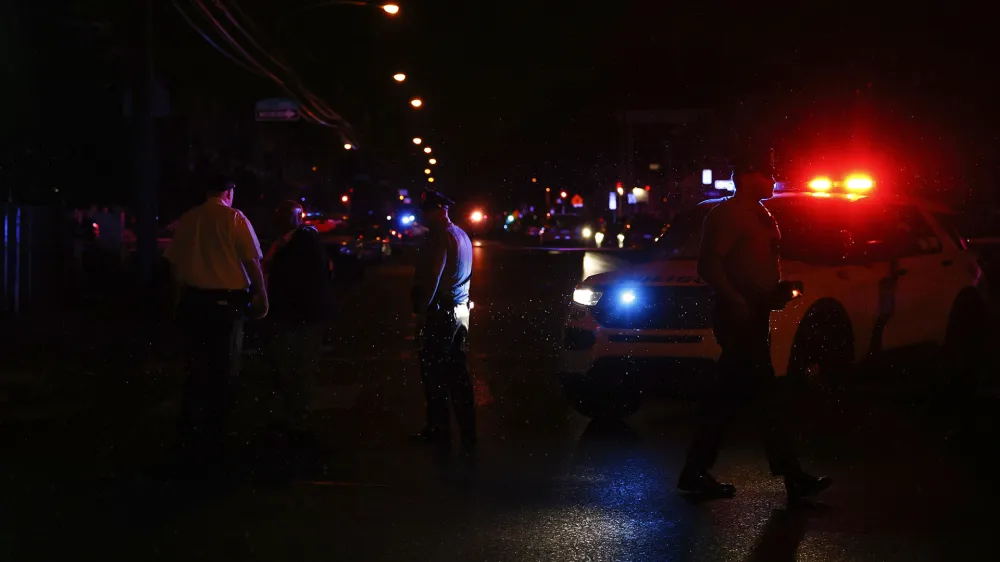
812 229
683 239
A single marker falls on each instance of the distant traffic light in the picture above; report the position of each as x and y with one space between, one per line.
563 194
344 199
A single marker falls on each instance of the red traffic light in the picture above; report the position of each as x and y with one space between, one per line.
344 199
563 194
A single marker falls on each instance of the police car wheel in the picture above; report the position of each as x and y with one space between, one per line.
821 352
602 400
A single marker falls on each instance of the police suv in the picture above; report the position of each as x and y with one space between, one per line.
866 273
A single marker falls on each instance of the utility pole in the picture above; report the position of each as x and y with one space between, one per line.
145 145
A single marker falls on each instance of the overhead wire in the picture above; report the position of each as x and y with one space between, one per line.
252 65
318 105
208 39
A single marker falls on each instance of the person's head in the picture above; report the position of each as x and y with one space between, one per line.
753 179
221 187
434 206
288 215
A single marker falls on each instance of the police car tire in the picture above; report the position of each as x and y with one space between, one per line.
601 400
825 340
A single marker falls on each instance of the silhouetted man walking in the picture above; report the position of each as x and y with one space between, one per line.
739 259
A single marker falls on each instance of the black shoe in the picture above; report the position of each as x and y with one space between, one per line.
802 485
700 482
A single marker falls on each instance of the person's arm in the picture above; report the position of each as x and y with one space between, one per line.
248 250
430 276
717 240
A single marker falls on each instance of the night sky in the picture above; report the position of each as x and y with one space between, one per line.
522 89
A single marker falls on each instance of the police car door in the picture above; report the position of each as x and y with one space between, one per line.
907 255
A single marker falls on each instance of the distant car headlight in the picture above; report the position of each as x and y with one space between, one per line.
586 296
586 232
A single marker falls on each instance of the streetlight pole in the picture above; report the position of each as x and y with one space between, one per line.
145 147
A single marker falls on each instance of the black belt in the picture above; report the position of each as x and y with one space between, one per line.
214 292
447 306
221 297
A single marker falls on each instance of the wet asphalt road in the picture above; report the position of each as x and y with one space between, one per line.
548 484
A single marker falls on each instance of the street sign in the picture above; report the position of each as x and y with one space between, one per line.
577 201
277 109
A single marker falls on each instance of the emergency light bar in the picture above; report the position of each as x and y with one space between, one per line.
854 184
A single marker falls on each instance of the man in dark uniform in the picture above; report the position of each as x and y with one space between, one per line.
739 259
441 304
215 258
299 291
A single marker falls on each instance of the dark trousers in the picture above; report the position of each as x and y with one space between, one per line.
293 350
745 379
444 370
211 324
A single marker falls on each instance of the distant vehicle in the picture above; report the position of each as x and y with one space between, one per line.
410 231
376 242
530 227
867 274
642 231
566 230
324 222
477 222
342 240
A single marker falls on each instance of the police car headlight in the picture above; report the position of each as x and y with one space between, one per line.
586 296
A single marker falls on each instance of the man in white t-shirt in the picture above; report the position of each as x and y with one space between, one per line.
739 259
215 257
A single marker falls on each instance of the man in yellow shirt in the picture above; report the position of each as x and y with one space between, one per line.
215 258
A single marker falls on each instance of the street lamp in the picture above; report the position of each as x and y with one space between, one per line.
427 150
417 140
427 171
432 161
417 102
430 180
348 146
399 77
391 9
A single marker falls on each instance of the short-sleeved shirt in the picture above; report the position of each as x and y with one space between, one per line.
210 244
444 270
746 237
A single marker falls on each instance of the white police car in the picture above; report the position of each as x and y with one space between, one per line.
872 273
